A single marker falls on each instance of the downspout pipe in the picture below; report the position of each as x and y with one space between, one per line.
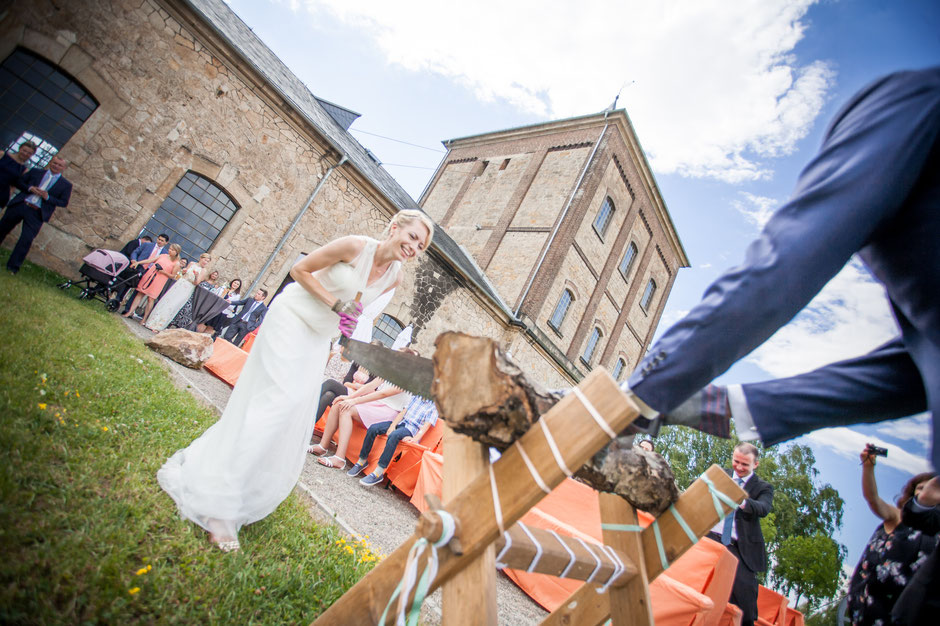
297 218
561 220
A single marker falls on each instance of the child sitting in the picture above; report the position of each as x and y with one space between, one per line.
409 425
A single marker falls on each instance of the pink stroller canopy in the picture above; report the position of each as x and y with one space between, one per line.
108 261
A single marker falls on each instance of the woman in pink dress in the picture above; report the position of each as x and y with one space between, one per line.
151 283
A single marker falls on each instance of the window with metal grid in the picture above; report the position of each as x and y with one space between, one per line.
40 103
604 217
193 214
561 310
386 329
648 295
591 346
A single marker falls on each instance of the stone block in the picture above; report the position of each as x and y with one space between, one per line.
183 346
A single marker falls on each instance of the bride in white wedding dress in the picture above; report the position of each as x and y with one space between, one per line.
247 463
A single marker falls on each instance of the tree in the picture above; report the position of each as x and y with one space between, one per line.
802 509
804 566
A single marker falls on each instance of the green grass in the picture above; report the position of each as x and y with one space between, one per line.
87 416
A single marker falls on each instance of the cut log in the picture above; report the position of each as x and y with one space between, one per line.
644 479
496 403
482 393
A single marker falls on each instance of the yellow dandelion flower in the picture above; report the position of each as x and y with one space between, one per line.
133 590
141 571
57 414
78 395
104 428
149 567
42 406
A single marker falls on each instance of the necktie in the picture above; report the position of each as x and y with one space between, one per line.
729 520
249 310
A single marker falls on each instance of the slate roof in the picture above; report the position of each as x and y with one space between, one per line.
246 44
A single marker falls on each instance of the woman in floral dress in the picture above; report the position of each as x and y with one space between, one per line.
893 553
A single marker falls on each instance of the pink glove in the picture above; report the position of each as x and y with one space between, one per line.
347 324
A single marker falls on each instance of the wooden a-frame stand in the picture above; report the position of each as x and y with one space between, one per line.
466 567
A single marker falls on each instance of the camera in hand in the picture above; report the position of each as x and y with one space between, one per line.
874 450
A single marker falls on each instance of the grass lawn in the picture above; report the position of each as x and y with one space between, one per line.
87 416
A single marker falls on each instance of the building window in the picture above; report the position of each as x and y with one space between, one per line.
619 366
591 346
193 214
628 258
40 103
386 329
561 310
504 165
604 217
648 295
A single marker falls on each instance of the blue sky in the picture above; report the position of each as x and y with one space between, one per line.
729 99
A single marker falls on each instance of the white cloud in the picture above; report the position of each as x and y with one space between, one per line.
915 429
847 443
712 86
755 209
848 318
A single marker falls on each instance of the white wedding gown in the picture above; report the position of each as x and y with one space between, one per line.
248 462
173 300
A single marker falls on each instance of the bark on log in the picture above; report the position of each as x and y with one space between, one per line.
496 404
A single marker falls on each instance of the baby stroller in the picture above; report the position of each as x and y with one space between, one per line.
103 271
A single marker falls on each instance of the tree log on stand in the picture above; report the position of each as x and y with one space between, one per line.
481 393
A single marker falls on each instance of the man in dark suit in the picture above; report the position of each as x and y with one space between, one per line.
146 250
873 189
740 531
44 191
130 273
246 320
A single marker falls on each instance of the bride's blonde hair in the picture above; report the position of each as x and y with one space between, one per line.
403 218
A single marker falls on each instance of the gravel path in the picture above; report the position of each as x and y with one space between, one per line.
383 515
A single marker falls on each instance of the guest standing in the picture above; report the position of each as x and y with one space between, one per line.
740 531
248 319
221 321
894 552
151 283
141 258
45 191
12 166
170 308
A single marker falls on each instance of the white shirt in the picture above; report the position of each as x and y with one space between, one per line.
720 526
48 180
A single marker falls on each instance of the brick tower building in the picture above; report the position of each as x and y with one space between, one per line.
567 222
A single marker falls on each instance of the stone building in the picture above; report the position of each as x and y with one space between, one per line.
566 221
176 118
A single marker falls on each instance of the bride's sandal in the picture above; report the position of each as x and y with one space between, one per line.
228 546
333 462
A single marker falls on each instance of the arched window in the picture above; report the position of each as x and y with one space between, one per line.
386 329
561 309
193 215
648 295
40 103
604 217
591 346
628 258
619 366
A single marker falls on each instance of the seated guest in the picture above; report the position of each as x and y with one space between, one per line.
894 552
409 425
221 321
248 319
378 401
332 389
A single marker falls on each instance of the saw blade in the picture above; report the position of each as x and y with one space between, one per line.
406 371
